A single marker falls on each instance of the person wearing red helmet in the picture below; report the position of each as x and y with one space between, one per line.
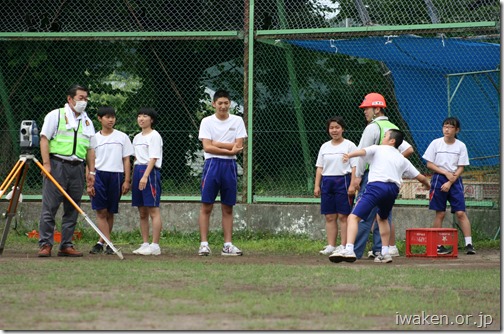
378 124
373 100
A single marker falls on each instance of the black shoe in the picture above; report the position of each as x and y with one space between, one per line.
109 251
443 251
470 249
97 249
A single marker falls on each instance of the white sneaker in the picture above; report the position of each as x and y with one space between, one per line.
371 255
393 251
154 250
327 250
142 248
204 251
383 258
342 255
149 250
231 251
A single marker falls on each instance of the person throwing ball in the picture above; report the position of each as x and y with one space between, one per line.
387 167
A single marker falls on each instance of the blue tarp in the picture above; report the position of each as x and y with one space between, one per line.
419 67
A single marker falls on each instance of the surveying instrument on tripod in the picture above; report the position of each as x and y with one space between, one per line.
29 140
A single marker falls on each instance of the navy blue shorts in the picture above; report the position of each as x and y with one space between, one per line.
334 196
151 195
219 175
108 189
438 198
381 194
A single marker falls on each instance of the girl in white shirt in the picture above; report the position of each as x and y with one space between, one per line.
146 187
332 180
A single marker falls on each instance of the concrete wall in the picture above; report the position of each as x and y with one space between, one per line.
275 218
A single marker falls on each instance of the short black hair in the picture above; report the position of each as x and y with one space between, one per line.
221 93
398 135
72 91
102 111
149 112
452 121
337 119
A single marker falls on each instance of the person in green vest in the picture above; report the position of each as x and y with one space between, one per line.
378 124
65 148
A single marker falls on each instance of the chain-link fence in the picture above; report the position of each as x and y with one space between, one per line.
288 64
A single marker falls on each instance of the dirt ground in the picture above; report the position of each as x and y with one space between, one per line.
154 321
482 259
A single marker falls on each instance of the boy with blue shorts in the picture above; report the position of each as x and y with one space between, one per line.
146 187
387 167
112 176
374 105
446 157
222 136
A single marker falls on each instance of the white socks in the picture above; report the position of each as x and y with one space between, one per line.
384 250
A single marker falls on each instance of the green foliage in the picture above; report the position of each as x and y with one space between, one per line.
256 241
399 12
173 75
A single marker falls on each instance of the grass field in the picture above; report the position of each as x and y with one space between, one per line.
281 283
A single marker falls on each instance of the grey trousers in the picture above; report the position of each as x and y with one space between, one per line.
72 179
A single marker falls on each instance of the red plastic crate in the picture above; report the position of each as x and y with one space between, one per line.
431 238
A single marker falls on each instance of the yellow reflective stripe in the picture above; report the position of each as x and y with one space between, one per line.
82 136
65 133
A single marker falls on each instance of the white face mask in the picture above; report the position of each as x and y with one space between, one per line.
80 106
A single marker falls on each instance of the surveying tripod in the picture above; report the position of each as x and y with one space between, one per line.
19 172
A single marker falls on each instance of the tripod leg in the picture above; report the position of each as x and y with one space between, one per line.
12 174
14 201
64 193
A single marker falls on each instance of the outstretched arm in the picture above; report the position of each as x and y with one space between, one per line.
356 153
423 180
409 151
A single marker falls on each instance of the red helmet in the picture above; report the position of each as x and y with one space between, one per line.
373 100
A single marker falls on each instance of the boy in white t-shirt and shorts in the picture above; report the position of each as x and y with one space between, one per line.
446 157
113 149
222 135
387 167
